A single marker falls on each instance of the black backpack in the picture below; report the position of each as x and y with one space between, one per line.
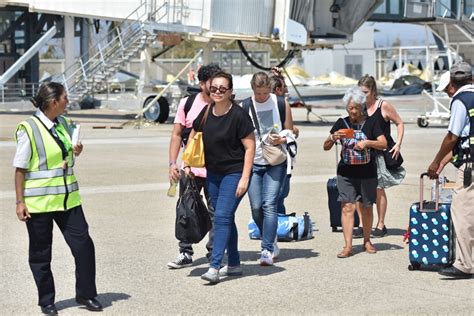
187 107
247 103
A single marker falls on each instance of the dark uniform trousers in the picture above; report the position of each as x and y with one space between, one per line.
74 228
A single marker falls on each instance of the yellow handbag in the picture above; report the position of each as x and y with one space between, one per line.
193 155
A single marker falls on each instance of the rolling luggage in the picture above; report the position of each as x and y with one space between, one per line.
431 232
334 205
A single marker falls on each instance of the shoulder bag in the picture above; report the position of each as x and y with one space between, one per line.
193 155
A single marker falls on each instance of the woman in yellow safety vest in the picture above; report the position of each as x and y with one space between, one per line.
47 191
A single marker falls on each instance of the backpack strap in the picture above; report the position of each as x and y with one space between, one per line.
249 104
360 128
345 122
189 103
282 110
246 104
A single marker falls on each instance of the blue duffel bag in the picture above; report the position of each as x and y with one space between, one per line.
290 227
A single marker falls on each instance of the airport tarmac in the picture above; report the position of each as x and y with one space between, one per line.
123 180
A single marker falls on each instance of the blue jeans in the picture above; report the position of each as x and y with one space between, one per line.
264 191
284 191
222 189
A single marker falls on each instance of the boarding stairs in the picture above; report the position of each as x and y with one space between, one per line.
139 29
458 36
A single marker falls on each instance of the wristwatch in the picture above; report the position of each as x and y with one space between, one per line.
172 163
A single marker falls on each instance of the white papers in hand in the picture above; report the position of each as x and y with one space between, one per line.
75 134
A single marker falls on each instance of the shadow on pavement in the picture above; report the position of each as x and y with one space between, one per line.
248 271
395 232
253 256
379 246
106 299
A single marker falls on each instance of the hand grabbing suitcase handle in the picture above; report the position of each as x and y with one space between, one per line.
425 174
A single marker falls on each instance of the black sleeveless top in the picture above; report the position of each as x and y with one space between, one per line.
384 125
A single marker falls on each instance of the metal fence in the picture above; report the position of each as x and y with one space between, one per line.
12 92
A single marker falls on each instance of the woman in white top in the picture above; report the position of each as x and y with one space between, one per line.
270 119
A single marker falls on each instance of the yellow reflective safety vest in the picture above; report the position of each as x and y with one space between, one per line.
50 184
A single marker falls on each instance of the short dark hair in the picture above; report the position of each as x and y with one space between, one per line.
276 82
225 75
47 92
208 71
460 82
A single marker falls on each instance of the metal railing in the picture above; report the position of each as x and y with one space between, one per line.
12 92
78 77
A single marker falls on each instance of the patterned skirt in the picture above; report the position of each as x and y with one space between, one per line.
388 178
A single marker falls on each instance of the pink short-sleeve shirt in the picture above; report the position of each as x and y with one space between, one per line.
187 122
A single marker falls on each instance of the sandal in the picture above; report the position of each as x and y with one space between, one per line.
345 253
369 248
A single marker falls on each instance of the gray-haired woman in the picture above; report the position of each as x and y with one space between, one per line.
357 171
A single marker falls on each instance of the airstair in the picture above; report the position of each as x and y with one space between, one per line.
125 41
452 21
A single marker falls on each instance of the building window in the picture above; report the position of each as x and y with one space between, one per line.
353 66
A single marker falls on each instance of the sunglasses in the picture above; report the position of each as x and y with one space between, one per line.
221 89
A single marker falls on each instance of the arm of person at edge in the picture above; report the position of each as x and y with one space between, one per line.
21 209
389 113
249 146
187 169
175 144
276 139
441 158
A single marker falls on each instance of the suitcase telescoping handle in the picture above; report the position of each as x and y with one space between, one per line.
421 192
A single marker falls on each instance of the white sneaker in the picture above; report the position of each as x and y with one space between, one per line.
266 258
212 276
276 250
230 271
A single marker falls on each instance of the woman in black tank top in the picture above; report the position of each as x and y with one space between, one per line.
384 113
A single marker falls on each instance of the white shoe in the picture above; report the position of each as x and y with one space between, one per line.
276 250
212 276
266 258
230 271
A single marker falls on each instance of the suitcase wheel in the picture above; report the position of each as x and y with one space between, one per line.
414 266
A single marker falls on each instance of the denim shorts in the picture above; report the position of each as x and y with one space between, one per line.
353 190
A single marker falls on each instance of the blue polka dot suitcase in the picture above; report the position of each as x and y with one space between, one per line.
431 232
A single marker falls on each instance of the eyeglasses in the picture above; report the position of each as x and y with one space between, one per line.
221 89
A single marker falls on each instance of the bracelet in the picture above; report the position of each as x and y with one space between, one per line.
172 163
331 136
19 202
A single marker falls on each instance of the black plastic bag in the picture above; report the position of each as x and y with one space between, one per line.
192 217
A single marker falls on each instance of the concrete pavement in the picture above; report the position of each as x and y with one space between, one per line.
123 180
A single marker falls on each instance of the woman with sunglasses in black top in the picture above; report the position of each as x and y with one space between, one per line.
229 149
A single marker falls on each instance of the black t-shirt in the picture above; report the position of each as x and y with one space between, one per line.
223 149
372 130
